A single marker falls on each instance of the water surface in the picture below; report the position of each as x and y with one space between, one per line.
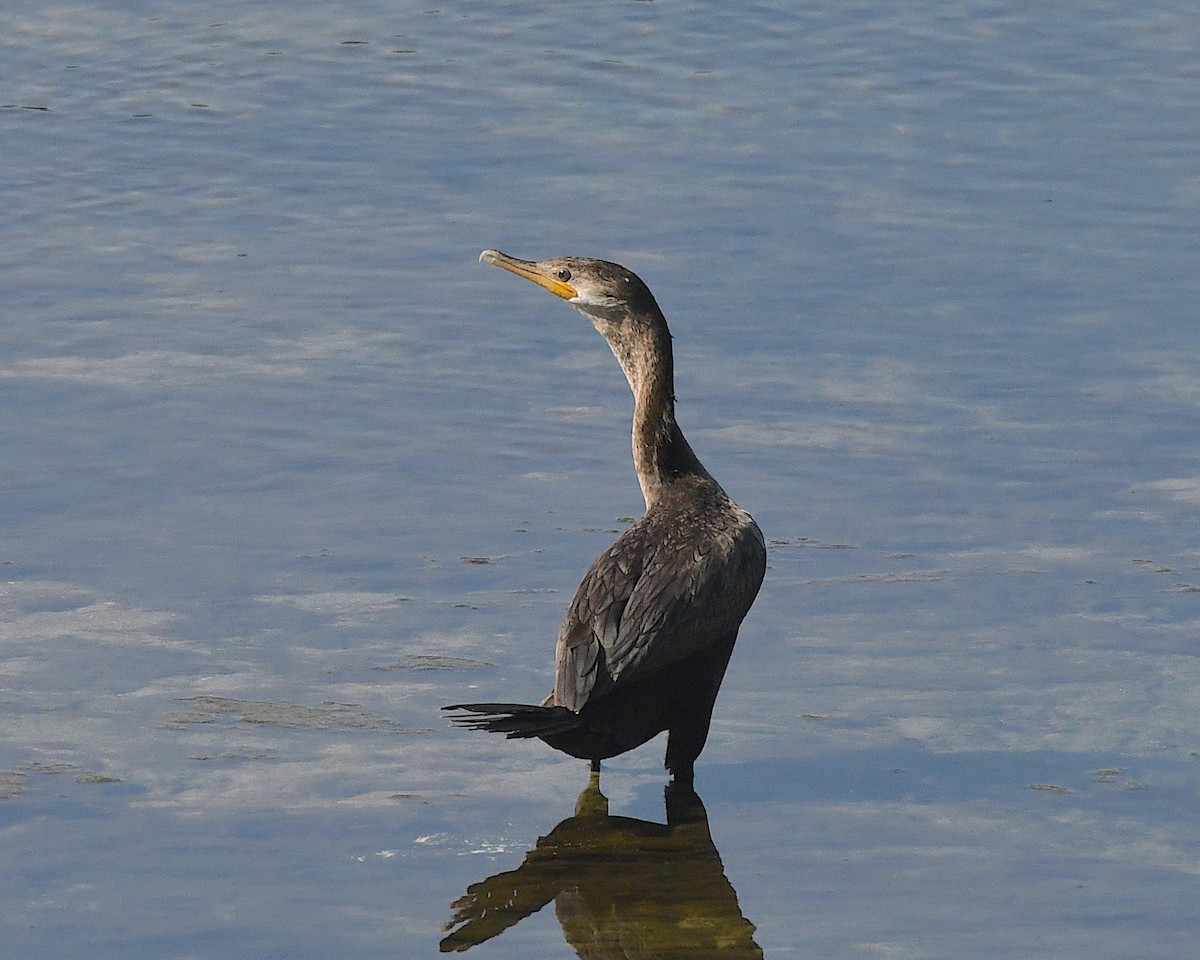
285 469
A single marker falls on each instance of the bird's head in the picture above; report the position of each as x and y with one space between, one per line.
616 302
604 292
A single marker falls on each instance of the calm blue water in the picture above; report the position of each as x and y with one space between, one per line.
931 271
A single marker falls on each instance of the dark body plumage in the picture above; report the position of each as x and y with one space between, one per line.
649 633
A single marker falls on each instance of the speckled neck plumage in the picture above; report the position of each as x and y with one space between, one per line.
661 453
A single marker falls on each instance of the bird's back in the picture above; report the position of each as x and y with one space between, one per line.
675 584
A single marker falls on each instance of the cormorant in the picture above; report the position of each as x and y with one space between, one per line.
649 633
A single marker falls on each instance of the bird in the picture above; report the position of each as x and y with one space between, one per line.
649 633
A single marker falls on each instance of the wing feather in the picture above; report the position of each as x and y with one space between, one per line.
661 593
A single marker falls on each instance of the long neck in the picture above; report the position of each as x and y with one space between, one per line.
661 453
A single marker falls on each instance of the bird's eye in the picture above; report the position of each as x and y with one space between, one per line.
564 275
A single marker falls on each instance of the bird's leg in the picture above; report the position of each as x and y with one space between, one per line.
592 803
682 776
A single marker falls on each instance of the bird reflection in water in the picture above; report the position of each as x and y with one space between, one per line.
621 887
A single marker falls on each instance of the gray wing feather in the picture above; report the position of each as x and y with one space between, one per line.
655 597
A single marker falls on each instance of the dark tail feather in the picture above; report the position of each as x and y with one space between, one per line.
521 720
